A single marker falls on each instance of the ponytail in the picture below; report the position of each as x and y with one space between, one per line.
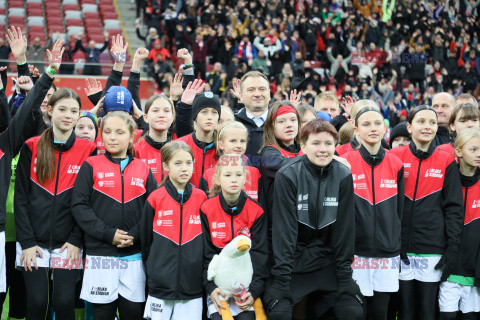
45 157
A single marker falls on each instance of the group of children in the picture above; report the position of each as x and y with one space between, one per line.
141 203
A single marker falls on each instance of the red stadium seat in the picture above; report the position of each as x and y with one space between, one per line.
79 55
56 28
95 22
36 29
34 5
109 15
74 22
114 32
88 15
15 4
35 12
71 6
88 2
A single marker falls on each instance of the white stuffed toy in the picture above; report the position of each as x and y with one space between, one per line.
234 264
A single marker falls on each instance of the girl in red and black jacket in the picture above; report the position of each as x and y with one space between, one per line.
460 292
225 216
280 146
206 112
159 114
232 139
48 237
108 198
432 216
172 242
379 191
464 116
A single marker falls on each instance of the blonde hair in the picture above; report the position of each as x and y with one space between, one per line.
169 150
465 136
224 129
224 161
346 133
359 105
326 96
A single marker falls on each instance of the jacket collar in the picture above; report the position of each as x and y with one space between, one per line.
157 145
235 210
173 192
372 160
421 154
468 182
117 160
205 146
294 148
62 147
317 172
354 143
242 114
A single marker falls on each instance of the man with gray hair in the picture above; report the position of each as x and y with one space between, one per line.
443 104
467 98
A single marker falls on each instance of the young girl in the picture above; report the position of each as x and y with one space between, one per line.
107 203
172 242
379 191
159 114
432 216
460 292
313 226
87 126
355 142
205 113
464 116
232 138
307 113
48 238
232 212
280 145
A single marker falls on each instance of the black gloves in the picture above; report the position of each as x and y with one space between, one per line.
351 289
274 295
298 80
447 261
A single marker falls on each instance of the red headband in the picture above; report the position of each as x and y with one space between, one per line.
284 110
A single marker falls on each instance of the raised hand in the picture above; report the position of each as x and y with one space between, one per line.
237 93
191 90
55 56
141 54
119 49
99 106
92 86
295 98
25 83
136 111
176 88
347 104
18 44
185 56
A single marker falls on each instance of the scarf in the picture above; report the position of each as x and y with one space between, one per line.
248 52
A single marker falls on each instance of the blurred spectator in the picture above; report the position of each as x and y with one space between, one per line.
36 53
4 53
150 38
92 55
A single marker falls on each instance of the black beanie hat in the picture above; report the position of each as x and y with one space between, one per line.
400 130
204 100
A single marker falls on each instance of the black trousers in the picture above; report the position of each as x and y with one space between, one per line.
418 300
321 289
15 285
38 292
127 310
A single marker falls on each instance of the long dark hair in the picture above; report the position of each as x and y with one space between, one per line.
45 156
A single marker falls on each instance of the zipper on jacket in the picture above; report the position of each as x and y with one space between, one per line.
52 223
410 218
465 204
318 198
123 196
203 161
233 233
374 213
180 244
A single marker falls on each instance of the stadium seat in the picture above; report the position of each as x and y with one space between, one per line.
111 24
34 12
34 1
35 21
16 12
15 4
73 30
70 2
34 5
88 15
89 7
109 16
36 29
70 14
71 7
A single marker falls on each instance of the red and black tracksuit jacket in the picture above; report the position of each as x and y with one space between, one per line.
43 214
379 196
468 263
204 156
354 145
222 223
172 242
106 199
432 213
251 186
272 159
448 147
18 131
149 151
